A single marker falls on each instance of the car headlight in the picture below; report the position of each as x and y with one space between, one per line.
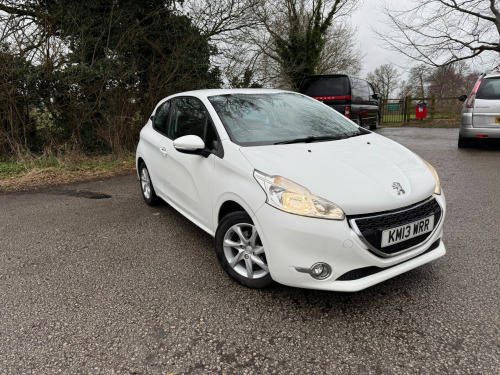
291 197
437 190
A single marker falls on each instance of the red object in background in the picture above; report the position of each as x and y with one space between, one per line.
347 112
343 97
421 110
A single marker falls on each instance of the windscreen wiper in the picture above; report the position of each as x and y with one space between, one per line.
356 133
312 139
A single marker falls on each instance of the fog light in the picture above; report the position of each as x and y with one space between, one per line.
320 271
317 269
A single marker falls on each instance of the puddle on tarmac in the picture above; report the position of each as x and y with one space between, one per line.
81 194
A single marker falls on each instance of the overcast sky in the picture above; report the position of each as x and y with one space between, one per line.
366 18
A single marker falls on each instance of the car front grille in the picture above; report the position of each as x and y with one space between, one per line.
370 228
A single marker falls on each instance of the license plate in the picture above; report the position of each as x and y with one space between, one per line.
497 120
407 231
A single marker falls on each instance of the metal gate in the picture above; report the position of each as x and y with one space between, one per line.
394 110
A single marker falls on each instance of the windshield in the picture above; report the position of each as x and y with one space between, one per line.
261 119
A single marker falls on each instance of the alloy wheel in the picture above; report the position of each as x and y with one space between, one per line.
244 251
145 183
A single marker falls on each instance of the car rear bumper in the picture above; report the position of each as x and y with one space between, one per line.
470 132
294 243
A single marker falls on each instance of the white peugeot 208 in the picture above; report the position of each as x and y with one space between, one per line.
292 191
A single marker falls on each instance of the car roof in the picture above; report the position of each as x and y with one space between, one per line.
214 92
334 75
492 73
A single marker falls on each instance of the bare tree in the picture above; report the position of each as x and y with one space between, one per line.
223 19
341 53
417 83
298 33
451 80
277 43
441 32
230 25
419 76
385 78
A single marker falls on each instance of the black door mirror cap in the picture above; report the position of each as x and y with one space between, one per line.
205 152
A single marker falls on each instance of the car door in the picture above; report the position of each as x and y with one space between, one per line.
372 102
155 155
356 100
188 178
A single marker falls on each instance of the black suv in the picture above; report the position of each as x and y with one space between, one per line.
353 97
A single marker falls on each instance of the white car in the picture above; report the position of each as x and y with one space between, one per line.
292 191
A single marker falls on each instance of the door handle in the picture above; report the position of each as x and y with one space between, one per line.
163 150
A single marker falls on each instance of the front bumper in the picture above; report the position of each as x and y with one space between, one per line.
295 242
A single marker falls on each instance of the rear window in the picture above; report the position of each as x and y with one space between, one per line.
489 89
325 86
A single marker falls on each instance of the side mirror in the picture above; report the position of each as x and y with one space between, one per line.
191 144
152 118
377 96
462 98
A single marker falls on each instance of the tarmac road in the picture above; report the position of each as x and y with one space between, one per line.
93 281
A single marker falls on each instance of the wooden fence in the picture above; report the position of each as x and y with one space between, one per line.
400 110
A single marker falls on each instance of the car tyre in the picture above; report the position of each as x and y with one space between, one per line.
240 251
377 122
463 142
147 189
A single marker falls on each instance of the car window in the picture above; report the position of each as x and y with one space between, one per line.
260 119
211 140
358 89
189 118
316 86
365 88
371 92
489 89
160 119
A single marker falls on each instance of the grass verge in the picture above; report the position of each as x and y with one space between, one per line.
45 171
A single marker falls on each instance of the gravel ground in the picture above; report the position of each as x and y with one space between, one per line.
94 281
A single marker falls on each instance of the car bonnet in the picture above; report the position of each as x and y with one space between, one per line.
360 174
